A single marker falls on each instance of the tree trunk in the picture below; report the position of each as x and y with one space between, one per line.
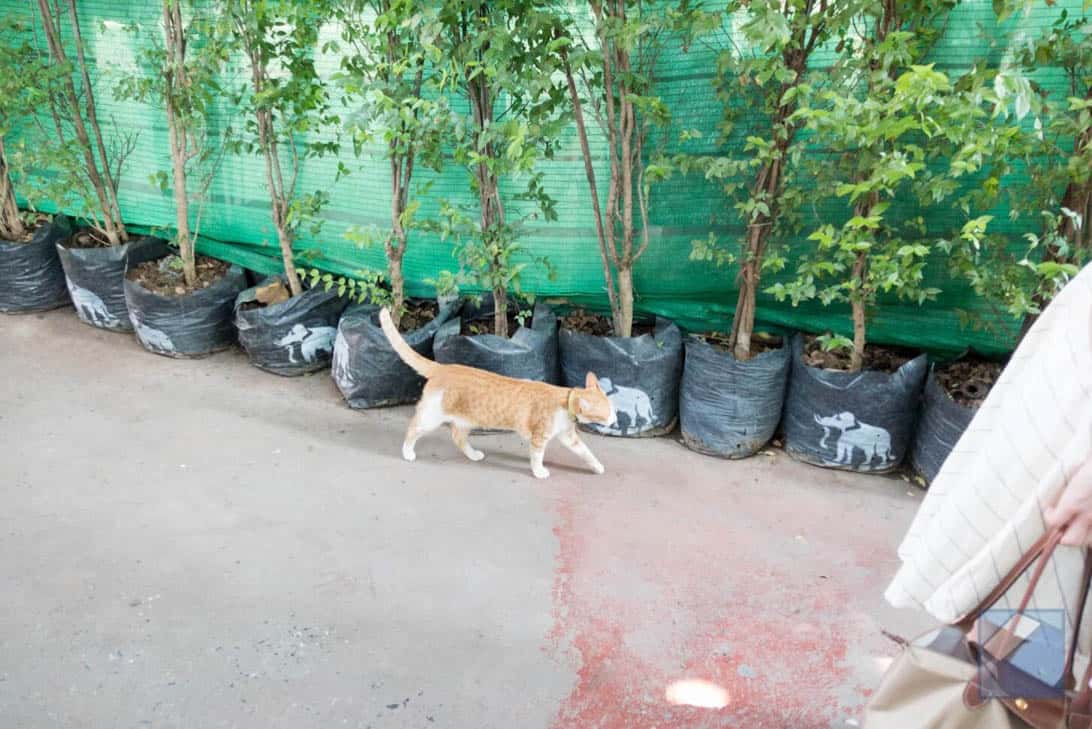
743 323
398 282
176 60
113 211
593 191
857 304
623 324
500 311
11 223
285 239
181 200
491 220
112 227
396 242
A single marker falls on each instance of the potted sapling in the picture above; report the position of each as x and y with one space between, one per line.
397 113
733 383
499 57
31 277
1016 283
284 328
182 304
852 405
94 258
612 76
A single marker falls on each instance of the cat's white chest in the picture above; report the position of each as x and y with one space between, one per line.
561 423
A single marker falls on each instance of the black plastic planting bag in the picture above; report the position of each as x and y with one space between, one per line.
727 407
31 277
366 369
855 421
96 276
191 325
639 374
293 337
529 354
940 426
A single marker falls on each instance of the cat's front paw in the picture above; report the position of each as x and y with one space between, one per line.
598 468
541 472
475 455
408 454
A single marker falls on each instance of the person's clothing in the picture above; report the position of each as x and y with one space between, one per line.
1031 434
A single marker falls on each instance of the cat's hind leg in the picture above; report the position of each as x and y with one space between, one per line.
461 436
429 417
573 442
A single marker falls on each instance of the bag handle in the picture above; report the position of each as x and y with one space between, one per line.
1079 711
1053 538
1086 583
1048 539
1046 552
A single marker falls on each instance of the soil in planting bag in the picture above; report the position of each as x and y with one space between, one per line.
940 426
855 421
366 370
730 408
31 277
639 374
529 354
293 337
95 278
188 325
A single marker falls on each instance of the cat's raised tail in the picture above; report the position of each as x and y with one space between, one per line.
423 365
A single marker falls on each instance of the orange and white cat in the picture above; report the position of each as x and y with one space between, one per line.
464 398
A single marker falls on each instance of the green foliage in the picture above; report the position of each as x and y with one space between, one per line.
502 56
28 81
362 287
765 71
389 49
897 129
1050 137
279 40
490 262
186 86
24 81
150 80
25 75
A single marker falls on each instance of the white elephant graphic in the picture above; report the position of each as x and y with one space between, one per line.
340 364
151 338
873 441
630 401
311 341
90 307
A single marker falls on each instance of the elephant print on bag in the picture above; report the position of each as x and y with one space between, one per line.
153 339
340 364
90 307
874 442
311 341
628 401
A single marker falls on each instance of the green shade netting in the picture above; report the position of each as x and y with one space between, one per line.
236 224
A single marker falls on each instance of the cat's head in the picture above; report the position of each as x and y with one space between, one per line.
592 404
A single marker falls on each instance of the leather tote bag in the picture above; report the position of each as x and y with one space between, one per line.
945 678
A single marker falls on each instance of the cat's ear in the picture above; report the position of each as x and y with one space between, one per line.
592 382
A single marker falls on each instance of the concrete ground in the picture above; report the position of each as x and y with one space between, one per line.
199 544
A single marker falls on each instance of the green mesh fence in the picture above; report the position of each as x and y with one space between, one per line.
236 223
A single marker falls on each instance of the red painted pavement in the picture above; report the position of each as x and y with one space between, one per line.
757 578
